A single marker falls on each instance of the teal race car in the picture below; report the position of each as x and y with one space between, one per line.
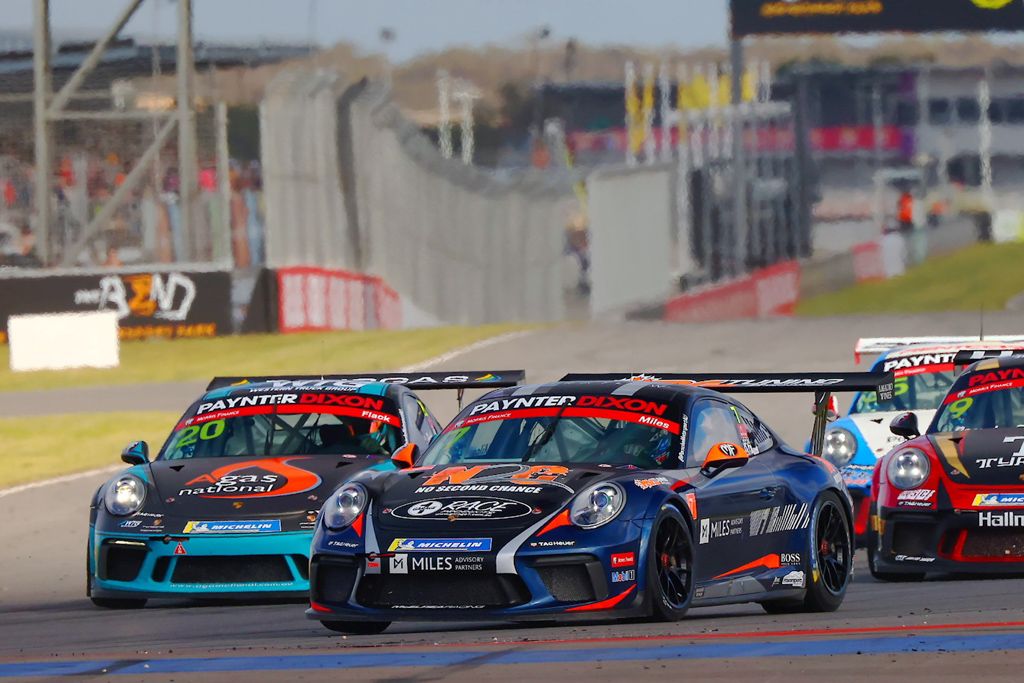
227 507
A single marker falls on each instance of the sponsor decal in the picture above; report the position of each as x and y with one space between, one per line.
130 523
916 498
913 558
623 560
984 382
444 545
699 592
463 509
399 564
264 478
999 500
920 364
235 526
789 558
728 449
782 518
795 579
1000 519
624 576
145 295
552 544
710 529
651 482
626 408
342 544
496 479
403 564
1012 461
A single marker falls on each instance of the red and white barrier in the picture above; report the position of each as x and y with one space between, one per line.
320 299
868 264
767 292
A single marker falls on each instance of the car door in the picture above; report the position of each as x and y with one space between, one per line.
726 499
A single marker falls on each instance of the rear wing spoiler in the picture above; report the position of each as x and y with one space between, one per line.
963 358
876 345
822 384
420 381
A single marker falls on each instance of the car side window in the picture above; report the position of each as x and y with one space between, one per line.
758 438
415 425
711 422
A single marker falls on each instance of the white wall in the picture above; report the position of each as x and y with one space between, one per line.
631 245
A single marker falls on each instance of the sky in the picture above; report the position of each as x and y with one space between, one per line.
419 25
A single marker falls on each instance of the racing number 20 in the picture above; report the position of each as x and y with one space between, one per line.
206 431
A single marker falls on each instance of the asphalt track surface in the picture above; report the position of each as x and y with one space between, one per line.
945 628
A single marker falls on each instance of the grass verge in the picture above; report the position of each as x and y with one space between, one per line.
35 448
201 359
983 275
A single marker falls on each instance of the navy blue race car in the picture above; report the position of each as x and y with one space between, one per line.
598 496
227 507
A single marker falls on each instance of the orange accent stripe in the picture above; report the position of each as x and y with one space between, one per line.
604 604
561 519
767 562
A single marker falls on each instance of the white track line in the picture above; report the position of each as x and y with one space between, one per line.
429 363
475 346
58 480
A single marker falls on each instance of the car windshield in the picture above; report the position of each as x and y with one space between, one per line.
559 438
991 406
287 429
921 391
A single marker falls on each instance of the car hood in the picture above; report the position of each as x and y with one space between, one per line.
244 487
874 428
983 456
484 498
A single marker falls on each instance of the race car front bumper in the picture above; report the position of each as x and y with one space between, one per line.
270 565
553 587
947 541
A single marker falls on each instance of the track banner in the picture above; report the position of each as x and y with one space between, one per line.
765 17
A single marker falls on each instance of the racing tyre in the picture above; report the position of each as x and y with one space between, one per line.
119 603
670 565
891 577
110 603
831 560
357 628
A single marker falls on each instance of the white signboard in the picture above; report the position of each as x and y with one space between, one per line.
61 341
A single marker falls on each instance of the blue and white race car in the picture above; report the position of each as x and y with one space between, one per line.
924 370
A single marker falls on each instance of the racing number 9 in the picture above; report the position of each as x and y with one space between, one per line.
958 408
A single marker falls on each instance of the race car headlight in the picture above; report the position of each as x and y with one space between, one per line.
840 445
908 468
347 503
125 495
597 505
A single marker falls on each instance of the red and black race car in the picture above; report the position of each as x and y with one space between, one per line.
952 499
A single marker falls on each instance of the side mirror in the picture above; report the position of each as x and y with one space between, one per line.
905 425
723 456
405 457
136 453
